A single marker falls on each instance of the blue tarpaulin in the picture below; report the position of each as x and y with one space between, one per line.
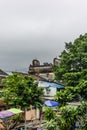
51 103
50 84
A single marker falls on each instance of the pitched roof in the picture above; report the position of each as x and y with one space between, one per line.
2 72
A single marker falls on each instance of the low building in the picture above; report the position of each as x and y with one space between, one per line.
50 88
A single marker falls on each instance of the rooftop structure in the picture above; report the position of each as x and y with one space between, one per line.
36 67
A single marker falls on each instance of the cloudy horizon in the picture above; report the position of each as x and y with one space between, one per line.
32 29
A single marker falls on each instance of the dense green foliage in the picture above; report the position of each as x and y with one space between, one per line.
70 117
73 73
49 113
22 91
67 119
65 95
73 68
51 125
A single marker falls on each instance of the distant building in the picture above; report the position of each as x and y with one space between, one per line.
56 62
44 71
36 68
36 62
50 88
2 75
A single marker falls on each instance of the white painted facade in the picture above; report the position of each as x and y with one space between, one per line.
48 90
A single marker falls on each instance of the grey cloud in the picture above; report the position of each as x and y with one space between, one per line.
38 29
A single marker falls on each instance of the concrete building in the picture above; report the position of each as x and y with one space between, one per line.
36 68
50 88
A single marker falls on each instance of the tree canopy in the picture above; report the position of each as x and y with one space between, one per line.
72 72
22 91
73 66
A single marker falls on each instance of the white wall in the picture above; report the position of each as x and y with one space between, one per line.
52 91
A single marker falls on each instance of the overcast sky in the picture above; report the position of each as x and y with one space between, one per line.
32 29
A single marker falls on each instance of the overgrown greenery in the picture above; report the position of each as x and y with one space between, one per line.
72 72
22 91
69 117
49 113
51 125
73 69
